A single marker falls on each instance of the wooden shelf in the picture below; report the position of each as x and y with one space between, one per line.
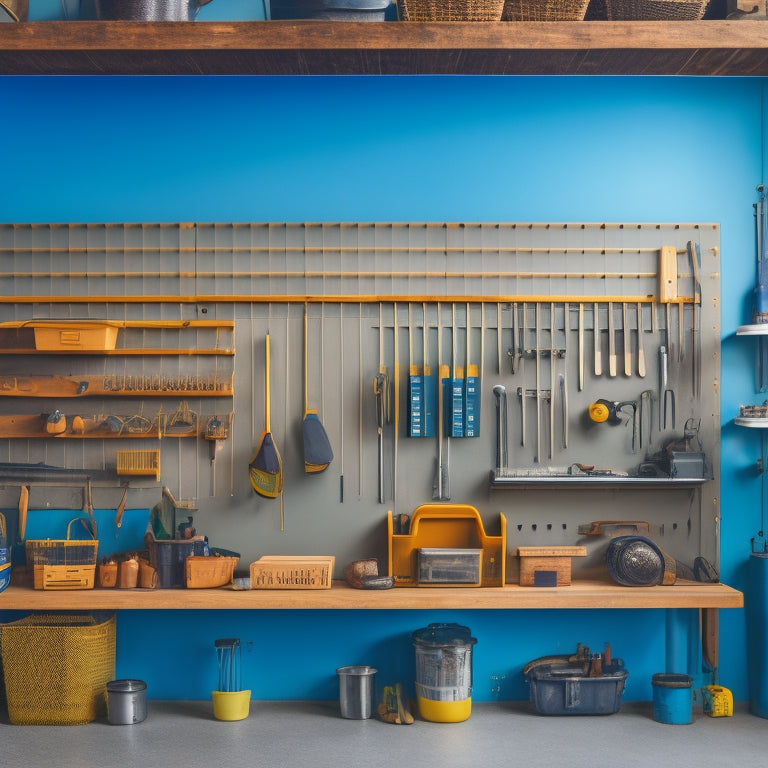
117 385
385 48
580 594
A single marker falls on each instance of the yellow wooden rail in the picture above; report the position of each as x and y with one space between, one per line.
339 299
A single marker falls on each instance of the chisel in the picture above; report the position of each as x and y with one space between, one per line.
501 428
596 334
581 347
627 341
611 342
537 318
552 357
564 374
513 350
499 343
641 370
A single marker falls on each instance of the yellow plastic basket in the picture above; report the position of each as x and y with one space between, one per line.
56 668
67 551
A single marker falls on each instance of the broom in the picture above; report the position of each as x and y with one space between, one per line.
266 466
318 453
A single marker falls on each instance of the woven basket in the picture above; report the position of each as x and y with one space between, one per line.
652 10
57 668
450 10
544 10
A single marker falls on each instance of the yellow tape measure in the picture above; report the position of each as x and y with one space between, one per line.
718 701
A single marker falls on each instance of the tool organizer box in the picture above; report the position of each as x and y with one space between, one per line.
448 527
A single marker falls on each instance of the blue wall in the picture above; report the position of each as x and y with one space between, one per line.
408 149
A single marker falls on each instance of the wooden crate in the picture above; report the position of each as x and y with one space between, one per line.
64 576
547 560
292 572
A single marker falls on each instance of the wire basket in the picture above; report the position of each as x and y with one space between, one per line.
64 563
450 10
544 10
56 668
64 551
652 10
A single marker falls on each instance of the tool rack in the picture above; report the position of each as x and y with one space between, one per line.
528 304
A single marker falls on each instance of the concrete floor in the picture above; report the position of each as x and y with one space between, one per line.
313 735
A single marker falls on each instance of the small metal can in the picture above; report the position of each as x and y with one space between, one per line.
126 702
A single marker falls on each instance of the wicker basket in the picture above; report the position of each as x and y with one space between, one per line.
652 10
544 10
57 667
450 10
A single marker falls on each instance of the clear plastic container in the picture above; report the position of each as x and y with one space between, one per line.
444 672
228 656
444 656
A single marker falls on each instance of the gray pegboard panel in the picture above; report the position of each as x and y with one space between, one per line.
523 263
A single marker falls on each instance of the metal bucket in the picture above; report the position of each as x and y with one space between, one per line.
148 10
126 702
356 691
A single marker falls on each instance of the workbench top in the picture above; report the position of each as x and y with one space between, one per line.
579 594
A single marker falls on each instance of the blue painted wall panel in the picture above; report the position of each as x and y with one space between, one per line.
95 149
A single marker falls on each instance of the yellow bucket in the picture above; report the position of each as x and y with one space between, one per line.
231 705
445 711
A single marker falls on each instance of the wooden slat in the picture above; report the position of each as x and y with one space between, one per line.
580 594
322 47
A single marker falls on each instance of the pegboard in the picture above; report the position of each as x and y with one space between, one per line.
519 302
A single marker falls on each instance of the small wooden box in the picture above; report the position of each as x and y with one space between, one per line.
535 562
64 576
292 572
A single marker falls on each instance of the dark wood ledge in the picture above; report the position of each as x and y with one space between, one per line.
732 48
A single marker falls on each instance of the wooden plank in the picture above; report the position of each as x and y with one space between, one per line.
710 47
31 426
148 351
564 551
110 385
580 594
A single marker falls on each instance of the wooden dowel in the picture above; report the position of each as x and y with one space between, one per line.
329 299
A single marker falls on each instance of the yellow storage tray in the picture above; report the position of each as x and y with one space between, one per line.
447 526
92 336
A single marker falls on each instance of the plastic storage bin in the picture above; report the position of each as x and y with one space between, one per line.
56 668
444 672
564 690
169 556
